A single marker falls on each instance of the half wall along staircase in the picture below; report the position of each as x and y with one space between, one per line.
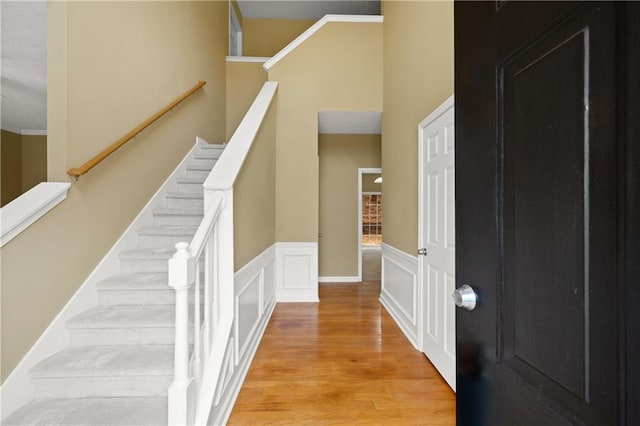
119 363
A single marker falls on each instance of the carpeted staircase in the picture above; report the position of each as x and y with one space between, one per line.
119 363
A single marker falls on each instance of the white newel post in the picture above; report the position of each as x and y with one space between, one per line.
181 277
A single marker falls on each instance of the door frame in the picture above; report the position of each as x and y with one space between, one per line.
362 171
434 115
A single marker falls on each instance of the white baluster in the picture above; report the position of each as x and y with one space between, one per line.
181 274
206 332
198 367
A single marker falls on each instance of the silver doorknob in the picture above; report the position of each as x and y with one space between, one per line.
465 297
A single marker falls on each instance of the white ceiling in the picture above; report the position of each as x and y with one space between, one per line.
306 9
24 66
349 123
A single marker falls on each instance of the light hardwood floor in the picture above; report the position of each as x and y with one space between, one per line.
342 361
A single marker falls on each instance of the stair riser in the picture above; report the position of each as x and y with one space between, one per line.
209 153
158 241
174 219
200 174
86 387
133 266
204 161
190 187
139 297
124 336
186 203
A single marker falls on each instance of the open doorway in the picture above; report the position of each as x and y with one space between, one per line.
23 139
369 223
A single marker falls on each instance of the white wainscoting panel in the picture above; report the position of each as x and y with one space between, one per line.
400 292
297 272
255 301
248 309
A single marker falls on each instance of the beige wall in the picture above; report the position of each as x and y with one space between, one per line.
110 66
254 202
340 158
418 76
244 81
34 161
266 37
11 167
339 68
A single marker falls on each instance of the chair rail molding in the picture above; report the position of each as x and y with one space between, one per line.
22 212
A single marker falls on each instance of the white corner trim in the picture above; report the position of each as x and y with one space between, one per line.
314 28
347 279
248 59
223 176
442 108
22 212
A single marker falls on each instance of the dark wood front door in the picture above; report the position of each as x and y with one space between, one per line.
547 212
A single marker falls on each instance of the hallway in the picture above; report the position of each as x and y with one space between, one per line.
342 361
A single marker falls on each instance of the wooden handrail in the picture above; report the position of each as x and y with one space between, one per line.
79 171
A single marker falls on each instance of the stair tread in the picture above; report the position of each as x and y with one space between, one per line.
168 230
92 411
147 254
186 194
106 361
178 211
141 281
125 316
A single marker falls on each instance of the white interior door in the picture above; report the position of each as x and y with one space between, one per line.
437 236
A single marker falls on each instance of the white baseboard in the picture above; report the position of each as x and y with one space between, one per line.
400 292
349 279
297 272
17 389
260 273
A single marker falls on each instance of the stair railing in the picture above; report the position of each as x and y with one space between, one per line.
201 375
102 155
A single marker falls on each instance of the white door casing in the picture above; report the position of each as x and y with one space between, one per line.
362 171
436 143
